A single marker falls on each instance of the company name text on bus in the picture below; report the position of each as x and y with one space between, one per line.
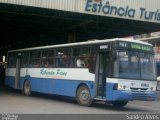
104 7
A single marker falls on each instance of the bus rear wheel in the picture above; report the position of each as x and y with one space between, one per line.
27 88
119 104
84 96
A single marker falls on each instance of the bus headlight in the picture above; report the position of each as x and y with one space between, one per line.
119 87
122 87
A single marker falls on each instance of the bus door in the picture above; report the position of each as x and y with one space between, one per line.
100 74
18 67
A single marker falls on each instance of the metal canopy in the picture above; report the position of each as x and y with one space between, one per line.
23 26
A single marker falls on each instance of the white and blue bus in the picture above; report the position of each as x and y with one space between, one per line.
113 70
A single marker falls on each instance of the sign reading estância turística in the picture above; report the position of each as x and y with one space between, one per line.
108 8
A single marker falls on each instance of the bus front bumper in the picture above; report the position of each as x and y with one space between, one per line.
129 96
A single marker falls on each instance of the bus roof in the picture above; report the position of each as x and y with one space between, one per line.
89 42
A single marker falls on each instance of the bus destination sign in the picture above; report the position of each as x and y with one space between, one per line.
134 46
141 47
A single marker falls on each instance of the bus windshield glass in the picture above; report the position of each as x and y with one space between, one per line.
134 65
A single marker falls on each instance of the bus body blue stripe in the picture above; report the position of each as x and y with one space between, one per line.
68 88
52 86
10 81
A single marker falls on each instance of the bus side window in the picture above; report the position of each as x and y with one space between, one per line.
44 62
81 56
80 62
12 60
34 59
47 59
63 58
25 59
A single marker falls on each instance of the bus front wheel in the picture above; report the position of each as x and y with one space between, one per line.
119 104
27 88
83 96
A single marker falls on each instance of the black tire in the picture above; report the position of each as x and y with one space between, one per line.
84 96
27 88
119 104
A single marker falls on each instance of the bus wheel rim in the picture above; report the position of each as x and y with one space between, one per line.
84 95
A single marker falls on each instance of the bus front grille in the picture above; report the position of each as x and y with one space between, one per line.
139 89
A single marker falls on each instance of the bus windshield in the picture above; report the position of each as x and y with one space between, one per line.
134 65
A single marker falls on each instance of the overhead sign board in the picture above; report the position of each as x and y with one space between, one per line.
132 10
141 10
